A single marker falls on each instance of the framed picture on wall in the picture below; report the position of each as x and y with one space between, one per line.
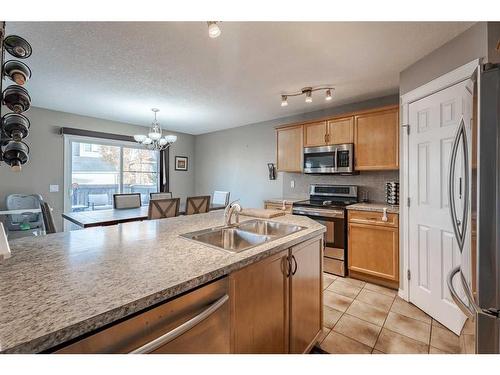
181 163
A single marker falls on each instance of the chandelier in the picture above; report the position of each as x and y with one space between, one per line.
154 140
307 91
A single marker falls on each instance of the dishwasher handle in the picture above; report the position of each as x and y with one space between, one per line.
183 328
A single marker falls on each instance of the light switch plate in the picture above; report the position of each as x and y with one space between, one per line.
292 184
54 188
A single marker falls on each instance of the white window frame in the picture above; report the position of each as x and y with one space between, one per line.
67 160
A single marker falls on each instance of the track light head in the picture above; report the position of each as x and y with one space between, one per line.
213 29
284 100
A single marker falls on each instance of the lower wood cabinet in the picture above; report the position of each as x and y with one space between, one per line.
373 247
276 304
305 295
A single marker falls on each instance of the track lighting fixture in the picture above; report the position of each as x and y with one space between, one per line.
307 91
309 98
14 126
213 29
328 95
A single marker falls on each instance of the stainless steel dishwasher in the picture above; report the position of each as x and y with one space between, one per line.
196 323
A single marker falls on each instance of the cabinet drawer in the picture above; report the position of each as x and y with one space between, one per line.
373 217
333 252
334 266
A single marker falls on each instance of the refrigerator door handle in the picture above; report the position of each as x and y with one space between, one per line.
466 309
459 225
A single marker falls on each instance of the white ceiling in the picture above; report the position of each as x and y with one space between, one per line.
119 70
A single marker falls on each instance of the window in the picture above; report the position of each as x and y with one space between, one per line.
98 169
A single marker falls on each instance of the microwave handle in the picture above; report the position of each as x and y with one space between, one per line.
336 161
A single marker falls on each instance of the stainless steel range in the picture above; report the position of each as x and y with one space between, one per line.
326 205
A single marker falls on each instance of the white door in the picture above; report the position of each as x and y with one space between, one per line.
434 251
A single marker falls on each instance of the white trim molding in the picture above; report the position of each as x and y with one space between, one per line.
447 80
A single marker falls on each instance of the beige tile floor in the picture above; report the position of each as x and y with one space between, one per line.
361 317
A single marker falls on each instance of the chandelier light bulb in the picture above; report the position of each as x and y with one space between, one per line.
309 98
284 100
147 141
171 138
328 96
213 29
140 138
154 135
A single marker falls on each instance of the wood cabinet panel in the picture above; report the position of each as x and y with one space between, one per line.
306 295
341 130
376 140
289 149
374 250
315 134
259 306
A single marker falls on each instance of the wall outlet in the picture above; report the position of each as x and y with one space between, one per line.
53 188
292 184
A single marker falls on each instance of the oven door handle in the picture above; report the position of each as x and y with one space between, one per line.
336 161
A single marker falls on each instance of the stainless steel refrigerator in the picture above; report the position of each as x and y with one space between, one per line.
475 285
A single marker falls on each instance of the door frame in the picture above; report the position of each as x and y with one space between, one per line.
447 80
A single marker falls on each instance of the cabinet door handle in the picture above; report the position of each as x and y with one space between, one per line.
183 328
294 265
288 265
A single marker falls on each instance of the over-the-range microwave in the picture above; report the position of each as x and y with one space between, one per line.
335 159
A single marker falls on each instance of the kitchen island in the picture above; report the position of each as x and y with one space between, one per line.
63 286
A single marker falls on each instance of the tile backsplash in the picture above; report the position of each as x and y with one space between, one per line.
371 182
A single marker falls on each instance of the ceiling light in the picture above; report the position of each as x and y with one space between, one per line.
328 95
307 91
154 139
213 29
309 98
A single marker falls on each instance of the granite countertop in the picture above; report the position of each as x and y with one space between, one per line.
289 200
379 207
63 285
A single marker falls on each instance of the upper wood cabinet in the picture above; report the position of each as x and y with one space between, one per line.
316 134
341 130
376 140
332 132
289 149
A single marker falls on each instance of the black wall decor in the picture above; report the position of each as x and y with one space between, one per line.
14 126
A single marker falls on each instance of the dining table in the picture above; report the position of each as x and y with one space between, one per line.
98 218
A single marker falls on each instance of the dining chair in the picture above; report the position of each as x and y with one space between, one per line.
221 197
197 205
162 208
164 195
129 200
48 219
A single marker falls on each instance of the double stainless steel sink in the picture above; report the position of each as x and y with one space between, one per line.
243 236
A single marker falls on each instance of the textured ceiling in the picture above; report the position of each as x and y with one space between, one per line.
119 70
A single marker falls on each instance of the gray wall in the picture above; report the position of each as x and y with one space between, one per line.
46 164
236 159
470 45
